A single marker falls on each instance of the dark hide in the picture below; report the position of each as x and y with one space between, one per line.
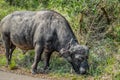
46 31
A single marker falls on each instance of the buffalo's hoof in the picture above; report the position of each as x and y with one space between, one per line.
34 72
7 65
43 71
46 71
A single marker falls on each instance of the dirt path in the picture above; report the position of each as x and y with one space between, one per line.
12 76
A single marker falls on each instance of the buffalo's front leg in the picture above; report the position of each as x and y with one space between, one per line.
38 52
46 59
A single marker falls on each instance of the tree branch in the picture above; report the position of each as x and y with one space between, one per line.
106 15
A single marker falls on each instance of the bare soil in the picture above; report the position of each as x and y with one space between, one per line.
13 76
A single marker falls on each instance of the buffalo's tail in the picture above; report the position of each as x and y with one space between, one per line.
0 32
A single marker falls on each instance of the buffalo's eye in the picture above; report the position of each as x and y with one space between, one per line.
87 57
81 58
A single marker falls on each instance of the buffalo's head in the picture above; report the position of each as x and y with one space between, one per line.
77 56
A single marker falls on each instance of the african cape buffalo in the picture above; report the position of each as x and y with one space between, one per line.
46 31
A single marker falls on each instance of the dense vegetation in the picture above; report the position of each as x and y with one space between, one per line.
94 22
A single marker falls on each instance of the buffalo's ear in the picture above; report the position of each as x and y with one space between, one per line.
65 53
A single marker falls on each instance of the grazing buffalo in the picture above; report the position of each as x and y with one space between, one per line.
46 31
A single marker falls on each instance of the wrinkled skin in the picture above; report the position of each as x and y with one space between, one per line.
46 31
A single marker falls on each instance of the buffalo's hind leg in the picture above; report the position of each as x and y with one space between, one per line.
12 48
38 52
9 48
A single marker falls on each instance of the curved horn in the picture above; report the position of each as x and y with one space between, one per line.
86 49
69 44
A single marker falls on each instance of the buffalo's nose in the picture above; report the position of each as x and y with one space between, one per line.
82 70
84 67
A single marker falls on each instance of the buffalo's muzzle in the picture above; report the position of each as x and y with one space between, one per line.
84 67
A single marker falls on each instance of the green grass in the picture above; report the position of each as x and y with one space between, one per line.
102 60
